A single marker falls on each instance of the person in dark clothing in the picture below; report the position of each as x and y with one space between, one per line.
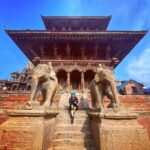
73 103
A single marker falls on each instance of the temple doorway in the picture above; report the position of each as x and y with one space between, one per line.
75 79
88 77
29 88
14 88
62 79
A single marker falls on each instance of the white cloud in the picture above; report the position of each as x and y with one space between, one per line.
139 68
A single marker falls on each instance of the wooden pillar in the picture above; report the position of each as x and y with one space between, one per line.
11 87
82 80
68 79
68 49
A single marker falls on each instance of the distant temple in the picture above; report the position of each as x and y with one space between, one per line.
75 46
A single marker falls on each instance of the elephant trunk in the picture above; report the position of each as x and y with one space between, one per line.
34 89
114 91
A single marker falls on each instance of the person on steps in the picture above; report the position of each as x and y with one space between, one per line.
73 103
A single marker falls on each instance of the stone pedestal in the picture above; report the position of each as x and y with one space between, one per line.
118 131
28 129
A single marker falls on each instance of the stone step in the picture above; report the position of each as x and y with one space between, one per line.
76 121
73 132
72 148
72 142
76 136
68 135
79 112
72 128
68 116
71 125
74 139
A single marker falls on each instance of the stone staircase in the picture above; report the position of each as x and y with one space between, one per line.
76 136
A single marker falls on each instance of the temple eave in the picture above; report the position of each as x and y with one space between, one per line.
114 35
76 32
76 17
120 42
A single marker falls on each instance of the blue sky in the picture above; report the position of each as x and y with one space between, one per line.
126 15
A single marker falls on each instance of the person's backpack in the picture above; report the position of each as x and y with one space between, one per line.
74 100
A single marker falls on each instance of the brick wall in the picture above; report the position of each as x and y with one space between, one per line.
145 122
136 102
139 103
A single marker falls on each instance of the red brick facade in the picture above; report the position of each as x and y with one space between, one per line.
140 104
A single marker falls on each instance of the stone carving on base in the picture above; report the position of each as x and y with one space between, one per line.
44 82
117 131
103 85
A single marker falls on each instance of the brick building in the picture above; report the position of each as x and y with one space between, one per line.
130 87
19 81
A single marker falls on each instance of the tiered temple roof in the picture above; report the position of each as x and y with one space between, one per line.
76 23
91 32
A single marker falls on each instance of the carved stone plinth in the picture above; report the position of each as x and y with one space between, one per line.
28 129
118 131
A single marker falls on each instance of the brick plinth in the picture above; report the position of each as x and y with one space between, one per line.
27 129
118 132
145 122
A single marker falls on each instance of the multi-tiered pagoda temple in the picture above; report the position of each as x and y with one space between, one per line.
75 46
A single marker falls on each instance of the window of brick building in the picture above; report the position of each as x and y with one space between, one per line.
134 90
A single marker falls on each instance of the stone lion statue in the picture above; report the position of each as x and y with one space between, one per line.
44 81
103 85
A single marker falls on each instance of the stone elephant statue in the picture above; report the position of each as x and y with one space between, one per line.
103 85
44 81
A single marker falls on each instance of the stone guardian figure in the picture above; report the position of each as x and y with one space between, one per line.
44 82
103 85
